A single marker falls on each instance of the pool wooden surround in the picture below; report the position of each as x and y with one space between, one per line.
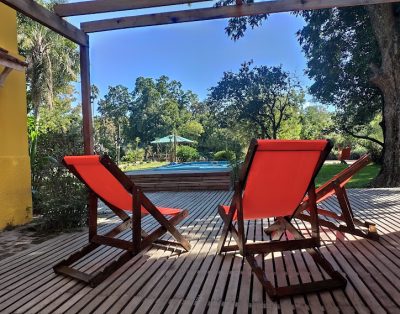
183 180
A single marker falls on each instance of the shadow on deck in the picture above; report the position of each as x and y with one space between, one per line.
159 280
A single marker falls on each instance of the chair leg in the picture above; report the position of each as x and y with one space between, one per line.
155 235
337 280
228 227
272 228
371 232
152 209
64 267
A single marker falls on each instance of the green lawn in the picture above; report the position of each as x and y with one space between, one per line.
360 180
148 165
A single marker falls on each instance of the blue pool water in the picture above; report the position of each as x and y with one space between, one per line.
198 165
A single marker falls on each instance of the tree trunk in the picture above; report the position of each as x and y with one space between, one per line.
387 79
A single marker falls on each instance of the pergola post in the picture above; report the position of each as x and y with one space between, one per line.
86 103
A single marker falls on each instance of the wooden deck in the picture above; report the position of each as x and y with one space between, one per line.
161 281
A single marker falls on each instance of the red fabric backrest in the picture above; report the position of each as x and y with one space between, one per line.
279 176
100 180
345 154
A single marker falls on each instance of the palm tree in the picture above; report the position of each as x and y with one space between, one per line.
53 63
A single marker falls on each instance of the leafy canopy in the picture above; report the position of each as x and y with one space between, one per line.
263 96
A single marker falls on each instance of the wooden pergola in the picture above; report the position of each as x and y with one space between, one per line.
55 21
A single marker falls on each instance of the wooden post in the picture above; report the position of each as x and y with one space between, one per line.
92 207
86 105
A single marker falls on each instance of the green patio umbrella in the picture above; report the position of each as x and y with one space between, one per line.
173 138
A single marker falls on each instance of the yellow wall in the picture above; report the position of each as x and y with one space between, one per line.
15 177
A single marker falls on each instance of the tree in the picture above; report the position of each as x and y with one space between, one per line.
159 107
94 94
53 63
362 68
262 96
316 122
291 127
191 129
114 107
339 62
354 59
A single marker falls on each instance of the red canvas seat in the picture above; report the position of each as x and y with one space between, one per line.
105 185
107 182
274 180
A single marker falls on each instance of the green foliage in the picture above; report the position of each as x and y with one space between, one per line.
61 199
262 96
105 135
134 155
124 166
115 103
187 153
58 196
114 115
224 155
357 152
340 47
237 26
217 138
291 127
191 129
159 107
53 62
374 150
316 123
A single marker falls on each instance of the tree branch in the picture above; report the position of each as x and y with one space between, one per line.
364 137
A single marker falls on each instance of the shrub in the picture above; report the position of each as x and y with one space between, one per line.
134 155
357 152
187 153
58 197
375 151
224 155
63 204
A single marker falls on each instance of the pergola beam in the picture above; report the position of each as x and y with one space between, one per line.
102 6
49 19
192 15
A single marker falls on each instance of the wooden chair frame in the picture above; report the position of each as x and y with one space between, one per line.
140 238
351 224
282 224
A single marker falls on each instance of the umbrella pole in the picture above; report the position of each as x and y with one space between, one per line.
175 145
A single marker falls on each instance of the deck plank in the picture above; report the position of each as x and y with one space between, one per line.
160 280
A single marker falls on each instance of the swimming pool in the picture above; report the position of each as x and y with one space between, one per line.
195 166
187 176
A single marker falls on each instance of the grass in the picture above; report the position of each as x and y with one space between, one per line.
360 180
148 165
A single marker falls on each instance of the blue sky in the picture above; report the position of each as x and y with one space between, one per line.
195 54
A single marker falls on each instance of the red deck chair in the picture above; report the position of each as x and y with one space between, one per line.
275 177
108 183
344 155
337 186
